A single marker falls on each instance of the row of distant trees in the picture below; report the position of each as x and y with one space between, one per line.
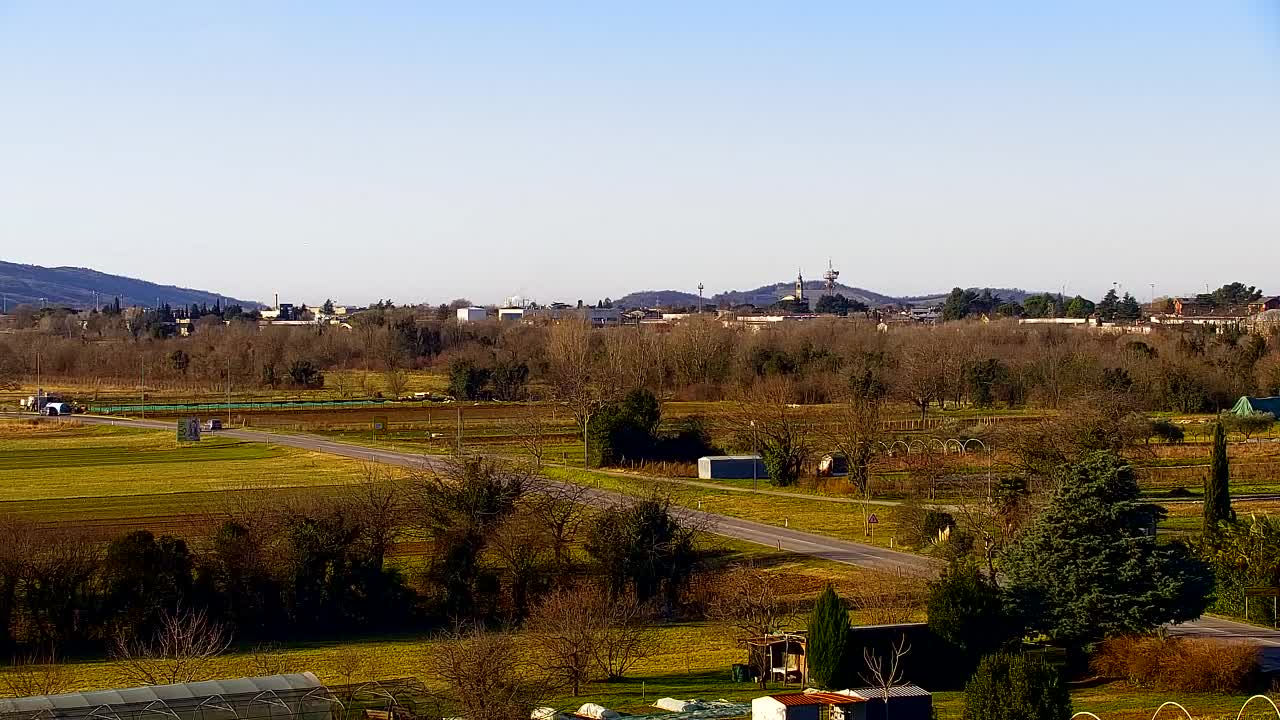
967 364
961 303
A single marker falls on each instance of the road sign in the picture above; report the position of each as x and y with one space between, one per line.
1270 592
380 423
189 430
872 519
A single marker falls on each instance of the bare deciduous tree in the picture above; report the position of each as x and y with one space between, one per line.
885 673
564 627
487 677
891 601
626 635
779 432
396 380
521 546
36 675
570 372
184 648
271 659
558 506
747 598
532 427
584 630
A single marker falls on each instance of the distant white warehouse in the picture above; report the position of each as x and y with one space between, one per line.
472 314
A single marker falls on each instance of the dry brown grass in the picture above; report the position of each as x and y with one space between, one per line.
1178 664
26 427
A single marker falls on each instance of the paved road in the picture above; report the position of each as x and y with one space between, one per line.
841 551
849 553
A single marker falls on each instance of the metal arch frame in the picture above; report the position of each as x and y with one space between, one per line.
990 461
110 714
164 709
940 444
376 689
1167 703
46 712
222 705
1255 697
1085 713
320 693
270 699
959 446
916 441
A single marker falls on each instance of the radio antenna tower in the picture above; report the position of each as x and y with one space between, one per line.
831 275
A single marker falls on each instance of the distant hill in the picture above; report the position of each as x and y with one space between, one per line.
659 298
74 287
769 294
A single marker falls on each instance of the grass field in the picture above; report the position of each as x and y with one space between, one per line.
115 477
85 473
689 660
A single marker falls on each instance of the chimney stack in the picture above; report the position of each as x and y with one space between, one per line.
277 305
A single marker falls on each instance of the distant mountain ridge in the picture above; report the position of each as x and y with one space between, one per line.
75 287
769 294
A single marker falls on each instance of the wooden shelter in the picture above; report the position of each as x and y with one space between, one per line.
780 656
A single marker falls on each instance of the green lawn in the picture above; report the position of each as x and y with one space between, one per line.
74 471
839 520
689 660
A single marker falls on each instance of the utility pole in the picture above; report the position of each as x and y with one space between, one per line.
755 460
144 388
228 391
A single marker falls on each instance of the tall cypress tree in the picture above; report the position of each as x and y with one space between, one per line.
1217 491
828 637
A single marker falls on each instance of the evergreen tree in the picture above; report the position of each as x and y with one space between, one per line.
1109 306
1079 307
958 304
1129 308
1217 492
828 638
966 609
1016 687
1089 566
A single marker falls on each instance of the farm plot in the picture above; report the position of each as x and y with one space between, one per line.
116 476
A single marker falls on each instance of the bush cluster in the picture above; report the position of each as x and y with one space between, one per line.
1178 664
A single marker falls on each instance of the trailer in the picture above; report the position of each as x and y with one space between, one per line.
731 467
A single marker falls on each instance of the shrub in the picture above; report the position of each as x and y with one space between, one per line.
1167 431
1016 687
1178 664
918 525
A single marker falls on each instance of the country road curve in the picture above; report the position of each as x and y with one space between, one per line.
795 541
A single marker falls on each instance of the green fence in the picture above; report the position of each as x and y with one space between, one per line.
203 407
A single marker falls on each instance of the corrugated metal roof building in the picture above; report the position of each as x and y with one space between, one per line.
906 702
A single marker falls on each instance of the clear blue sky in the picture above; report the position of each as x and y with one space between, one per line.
423 151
